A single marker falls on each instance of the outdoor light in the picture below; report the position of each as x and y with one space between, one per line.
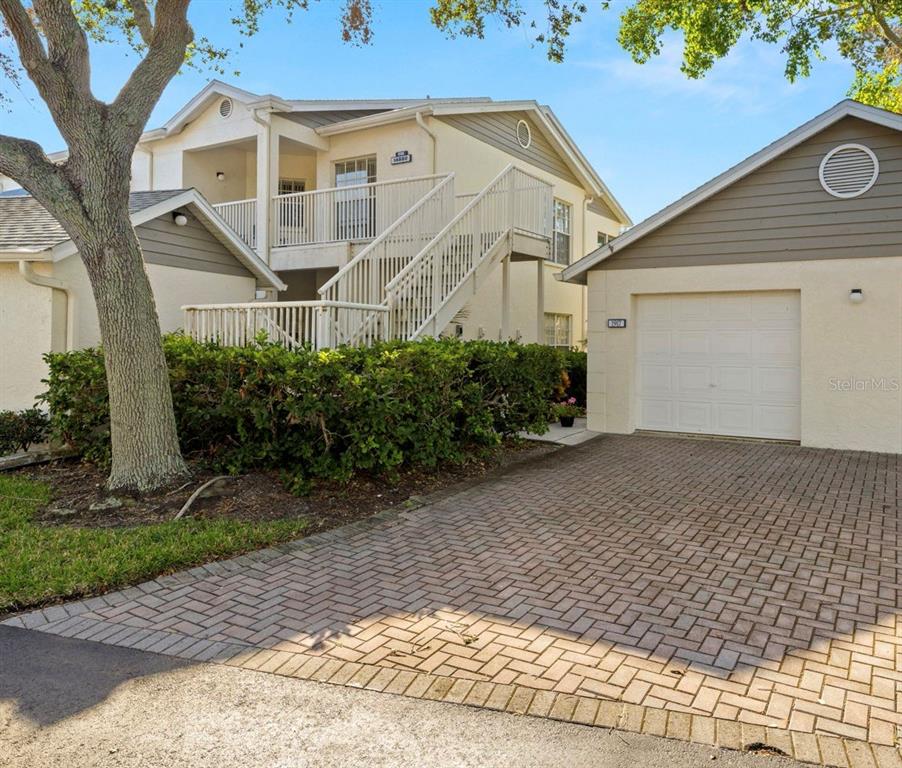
180 219
220 176
856 296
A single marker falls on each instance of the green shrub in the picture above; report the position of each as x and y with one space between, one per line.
20 429
575 364
324 414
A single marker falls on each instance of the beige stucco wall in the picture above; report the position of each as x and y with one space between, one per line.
845 347
27 320
32 317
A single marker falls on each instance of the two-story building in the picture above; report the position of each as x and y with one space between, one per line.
380 218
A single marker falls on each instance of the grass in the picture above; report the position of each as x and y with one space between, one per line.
43 564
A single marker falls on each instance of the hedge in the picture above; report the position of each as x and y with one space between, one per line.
324 414
21 429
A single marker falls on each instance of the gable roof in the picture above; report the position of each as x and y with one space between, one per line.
27 229
335 116
576 272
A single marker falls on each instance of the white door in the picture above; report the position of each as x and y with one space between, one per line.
720 363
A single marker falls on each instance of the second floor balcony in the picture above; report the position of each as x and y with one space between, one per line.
349 213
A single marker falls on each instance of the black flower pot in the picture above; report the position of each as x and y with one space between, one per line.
567 421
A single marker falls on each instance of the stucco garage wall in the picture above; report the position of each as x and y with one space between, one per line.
27 320
851 354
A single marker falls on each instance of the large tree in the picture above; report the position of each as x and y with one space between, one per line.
89 191
50 41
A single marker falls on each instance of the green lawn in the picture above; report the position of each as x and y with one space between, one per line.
39 564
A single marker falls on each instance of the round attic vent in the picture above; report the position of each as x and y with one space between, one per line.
225 107
849 170
524 135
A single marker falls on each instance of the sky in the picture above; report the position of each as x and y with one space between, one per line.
651 133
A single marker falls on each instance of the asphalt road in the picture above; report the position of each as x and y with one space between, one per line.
74 703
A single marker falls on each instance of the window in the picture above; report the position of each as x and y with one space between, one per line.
558 330
563 214
360 170
290 186
355 210
604 238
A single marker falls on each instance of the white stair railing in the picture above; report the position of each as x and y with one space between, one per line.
514 200
354 212
241 216
318 324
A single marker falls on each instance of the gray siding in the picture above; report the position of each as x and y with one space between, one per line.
602 209
500 130
780 212
188 247
319 119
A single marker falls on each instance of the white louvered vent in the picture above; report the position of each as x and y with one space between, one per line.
849 170
225 107
524 135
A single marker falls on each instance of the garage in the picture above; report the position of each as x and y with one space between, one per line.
720 363
767 303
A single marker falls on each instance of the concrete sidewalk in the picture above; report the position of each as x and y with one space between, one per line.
76 704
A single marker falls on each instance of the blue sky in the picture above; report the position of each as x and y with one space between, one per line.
651 133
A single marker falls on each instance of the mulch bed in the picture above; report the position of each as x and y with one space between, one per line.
79 497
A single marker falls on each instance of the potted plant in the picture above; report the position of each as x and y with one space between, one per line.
566 411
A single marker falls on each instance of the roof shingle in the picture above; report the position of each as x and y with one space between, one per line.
25 225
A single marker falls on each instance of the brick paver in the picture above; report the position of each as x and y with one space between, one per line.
754 583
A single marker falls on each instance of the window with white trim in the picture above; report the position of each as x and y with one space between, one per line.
563 218
291 186
558 330
604 238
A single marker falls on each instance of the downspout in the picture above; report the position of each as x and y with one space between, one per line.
422 123
27 271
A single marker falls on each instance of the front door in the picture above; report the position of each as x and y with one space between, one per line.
355 208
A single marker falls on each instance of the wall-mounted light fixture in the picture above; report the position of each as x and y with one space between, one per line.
220 176
856 296
179 219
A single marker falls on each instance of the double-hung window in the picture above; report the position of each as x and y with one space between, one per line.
563 221
558 330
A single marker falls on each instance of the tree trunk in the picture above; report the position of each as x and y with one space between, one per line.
146 452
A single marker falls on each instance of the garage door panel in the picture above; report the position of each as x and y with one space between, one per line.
655 344
694 379
694 416
738 343
656 379
780 383
657 414
778 421
692 344
783 343
720 363
735 380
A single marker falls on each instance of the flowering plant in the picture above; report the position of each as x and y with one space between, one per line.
567 409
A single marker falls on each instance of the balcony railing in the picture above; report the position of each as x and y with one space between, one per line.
241 216
318 324
358 212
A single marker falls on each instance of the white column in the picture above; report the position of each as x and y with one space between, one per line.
267 185
506 298
264 150
540 301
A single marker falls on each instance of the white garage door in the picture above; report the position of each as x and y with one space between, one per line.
720 363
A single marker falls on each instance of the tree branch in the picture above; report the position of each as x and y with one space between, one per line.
25 162
142 20
67 45
888 32
172 34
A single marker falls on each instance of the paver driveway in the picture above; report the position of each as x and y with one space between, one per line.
747 581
